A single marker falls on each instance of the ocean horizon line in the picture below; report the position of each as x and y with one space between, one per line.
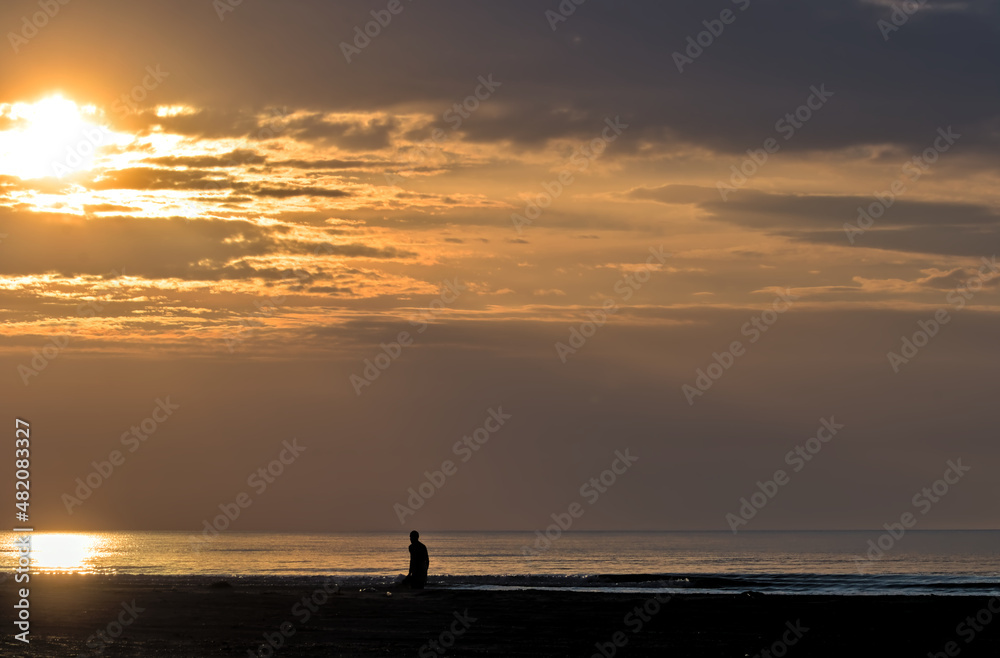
530 530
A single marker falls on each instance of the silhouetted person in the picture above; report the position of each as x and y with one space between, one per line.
417 577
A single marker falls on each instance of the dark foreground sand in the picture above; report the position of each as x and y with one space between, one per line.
175 619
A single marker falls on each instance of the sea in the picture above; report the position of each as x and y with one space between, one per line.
917 562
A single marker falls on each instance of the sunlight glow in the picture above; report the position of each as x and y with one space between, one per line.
175 110
63 552
52 137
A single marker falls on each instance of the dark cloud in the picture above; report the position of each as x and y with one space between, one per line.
197 249
236 158
943 240
354 250
917 226
323 164
764 210
214 123
352 136
154 248
960 277
147 178
289 191
608 59
217 271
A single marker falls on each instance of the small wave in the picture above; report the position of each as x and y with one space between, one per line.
826 584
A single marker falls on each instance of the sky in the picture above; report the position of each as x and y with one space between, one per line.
409 264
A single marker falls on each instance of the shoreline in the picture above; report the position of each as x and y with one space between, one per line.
170 617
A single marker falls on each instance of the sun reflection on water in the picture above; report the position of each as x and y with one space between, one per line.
64 552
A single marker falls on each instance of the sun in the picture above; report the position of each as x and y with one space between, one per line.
63 551
52 137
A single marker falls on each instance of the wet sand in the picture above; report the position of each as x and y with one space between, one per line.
173 618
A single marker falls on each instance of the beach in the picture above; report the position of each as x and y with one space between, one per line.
75 615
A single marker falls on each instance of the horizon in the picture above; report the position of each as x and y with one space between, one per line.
526 530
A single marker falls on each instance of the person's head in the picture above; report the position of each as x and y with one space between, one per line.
414 536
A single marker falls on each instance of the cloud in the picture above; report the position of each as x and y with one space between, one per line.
218 122
957 278
354 250
928 227
289 191
372 134
330 289
601 63
941 240
324 164
235 158
195 249
147 178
